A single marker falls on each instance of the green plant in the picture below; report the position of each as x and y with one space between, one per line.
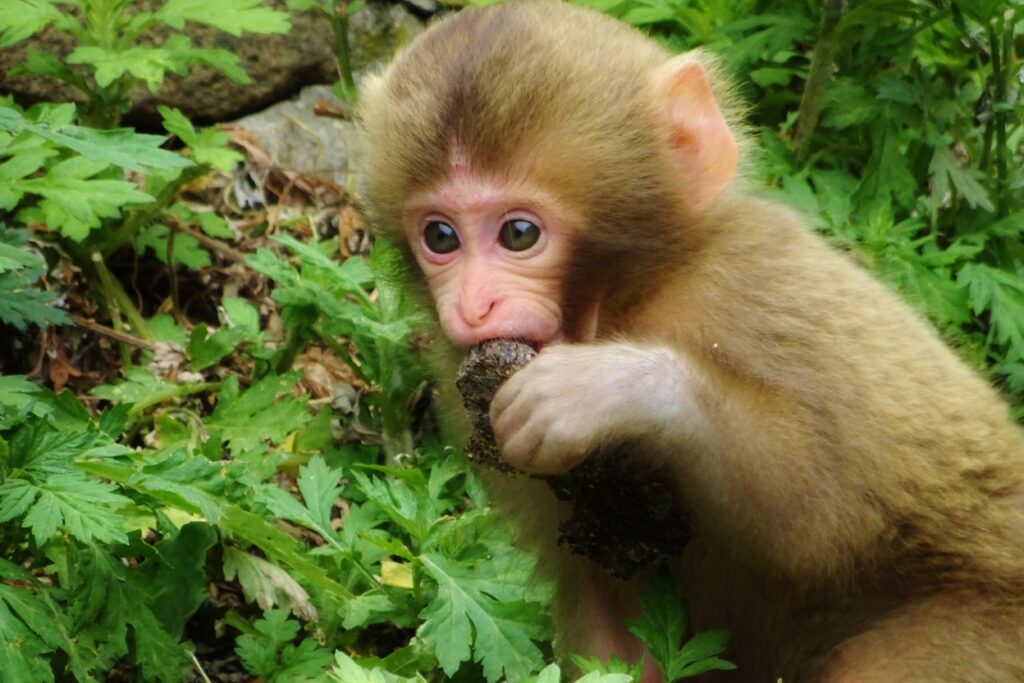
110 57
338 13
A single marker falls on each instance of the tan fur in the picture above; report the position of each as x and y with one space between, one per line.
858 493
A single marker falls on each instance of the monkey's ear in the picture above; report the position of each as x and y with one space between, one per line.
699 136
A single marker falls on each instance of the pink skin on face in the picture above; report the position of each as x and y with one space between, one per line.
483 289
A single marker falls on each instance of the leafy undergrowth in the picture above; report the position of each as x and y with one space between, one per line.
218 454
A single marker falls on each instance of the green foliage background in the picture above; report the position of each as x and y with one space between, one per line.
895 126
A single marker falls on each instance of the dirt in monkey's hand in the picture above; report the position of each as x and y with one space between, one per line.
625 511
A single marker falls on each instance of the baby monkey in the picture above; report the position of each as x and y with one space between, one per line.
854 492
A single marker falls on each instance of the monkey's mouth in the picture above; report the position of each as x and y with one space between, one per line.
532 343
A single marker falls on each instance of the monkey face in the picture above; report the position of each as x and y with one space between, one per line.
494 254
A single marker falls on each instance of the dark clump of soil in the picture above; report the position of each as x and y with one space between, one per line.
626 512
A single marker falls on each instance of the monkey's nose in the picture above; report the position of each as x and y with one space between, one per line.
475 310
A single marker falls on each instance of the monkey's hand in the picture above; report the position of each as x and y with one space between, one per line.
573 398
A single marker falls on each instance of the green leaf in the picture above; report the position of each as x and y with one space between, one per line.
187 249
108 596
597 677
242 315
259 652
848 103
18 258
178 580
230 16
348 670
269 652
213 224
177 123
474 616
20 19
771 77
662 629
42 63
943 166
144 62
887 175
1001 293
649 12
87 509
19 398
22 652
269 404
320 488
981 10
140 387
664 622
120 147
22 304
75 202
205 348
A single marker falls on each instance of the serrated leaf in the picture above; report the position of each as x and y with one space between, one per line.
366 609
230 16
212 148
228 63
75 202
177 123
18 258
213 224
320 488
472 616
22 651
87 509
111 597
269 404
206 348
22 304
19 398
20 19
179 581
145 62
348 670
848 103
42 63
943 166
1002 294
662 628
121 147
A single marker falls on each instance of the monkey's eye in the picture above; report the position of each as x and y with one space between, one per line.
440 237
518 234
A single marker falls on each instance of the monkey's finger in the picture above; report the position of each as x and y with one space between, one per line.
507 393
521 447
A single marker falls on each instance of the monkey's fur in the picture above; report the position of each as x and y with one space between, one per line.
859 515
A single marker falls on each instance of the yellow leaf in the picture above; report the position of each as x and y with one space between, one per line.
396 574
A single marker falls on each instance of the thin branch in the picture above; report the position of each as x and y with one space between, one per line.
117 335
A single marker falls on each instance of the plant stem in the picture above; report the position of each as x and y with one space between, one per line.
173 391
339 22
817 79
